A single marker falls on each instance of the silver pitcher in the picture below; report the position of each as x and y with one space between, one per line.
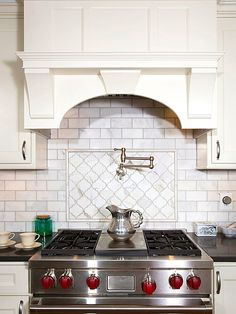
121 227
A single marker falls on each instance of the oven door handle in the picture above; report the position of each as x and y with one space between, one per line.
117 309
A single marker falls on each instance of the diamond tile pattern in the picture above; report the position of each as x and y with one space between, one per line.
92 184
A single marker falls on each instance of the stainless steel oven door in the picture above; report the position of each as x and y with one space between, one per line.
125 305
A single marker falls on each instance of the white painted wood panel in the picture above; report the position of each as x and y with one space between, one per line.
123 29
225 301
172 29
13 136
13 279
67 22
10 304
217 150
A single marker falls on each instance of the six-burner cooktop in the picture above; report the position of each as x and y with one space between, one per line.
146 242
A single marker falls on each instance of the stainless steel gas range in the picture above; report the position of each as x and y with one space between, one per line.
84 271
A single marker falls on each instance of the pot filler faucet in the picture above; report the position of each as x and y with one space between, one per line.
121 170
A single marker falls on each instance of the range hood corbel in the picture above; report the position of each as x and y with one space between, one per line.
185 82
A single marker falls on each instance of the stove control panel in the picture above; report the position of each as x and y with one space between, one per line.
49 279
66 280
148 285
176 281
93 282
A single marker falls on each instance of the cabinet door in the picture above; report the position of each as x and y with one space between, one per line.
14 305
224 299
13 139
223 140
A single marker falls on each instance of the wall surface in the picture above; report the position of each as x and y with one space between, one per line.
105 123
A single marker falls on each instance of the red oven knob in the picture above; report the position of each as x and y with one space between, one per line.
148 285
193 282
49 279
93 282
66 280
176 281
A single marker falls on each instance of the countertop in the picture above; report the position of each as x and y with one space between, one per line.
13 254
219 248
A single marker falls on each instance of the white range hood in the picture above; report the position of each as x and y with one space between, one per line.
77 50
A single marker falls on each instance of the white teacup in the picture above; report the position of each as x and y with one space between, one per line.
28 238
5 237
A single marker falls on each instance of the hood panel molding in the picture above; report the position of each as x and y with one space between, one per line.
79 49
55 82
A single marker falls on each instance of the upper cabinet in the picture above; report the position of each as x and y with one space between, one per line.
19 148
217 149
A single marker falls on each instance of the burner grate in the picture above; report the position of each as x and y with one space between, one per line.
73 242
169 242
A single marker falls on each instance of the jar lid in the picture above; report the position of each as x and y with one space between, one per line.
42 216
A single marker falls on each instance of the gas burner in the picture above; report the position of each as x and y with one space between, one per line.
72 242
170 242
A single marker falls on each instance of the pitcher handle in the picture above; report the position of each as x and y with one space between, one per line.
140 221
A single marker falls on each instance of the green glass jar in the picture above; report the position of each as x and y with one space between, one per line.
43 225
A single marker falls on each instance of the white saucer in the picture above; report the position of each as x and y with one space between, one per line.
22 247
9 243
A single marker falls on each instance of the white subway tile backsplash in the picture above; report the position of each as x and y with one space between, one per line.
217 175
2 185
218 217
80 123
132 133
99 102
100 123
89 112
226 185
111 133
7 195
143 144
15 206
36 206
105 123
187 185
196 216
143 123
25 195
207 206
90 133
25 175
98 143
56 185
153 133
110 112
121 123
68 133
196 195
35 185
121 103
47 195
7 175
46 174
207 185
79 144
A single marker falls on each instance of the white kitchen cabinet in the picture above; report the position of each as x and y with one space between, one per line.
19 148
14 288
224 288
217 149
